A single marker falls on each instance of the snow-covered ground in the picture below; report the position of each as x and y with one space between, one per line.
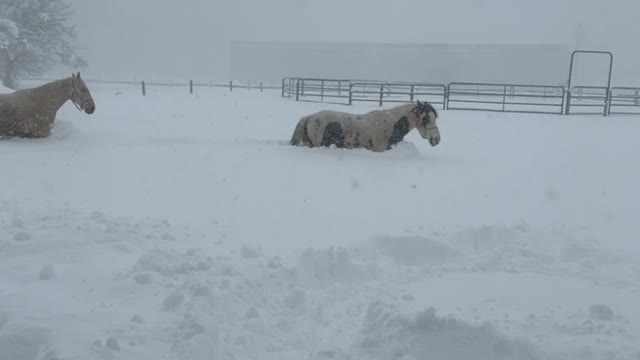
177 226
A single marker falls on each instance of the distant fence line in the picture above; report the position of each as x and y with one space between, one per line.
520 98
191 85
230 85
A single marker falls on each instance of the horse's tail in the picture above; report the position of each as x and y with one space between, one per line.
299 134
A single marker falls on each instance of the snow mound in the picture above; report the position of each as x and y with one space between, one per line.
597 319
322 268
415 250
387 334
26 343
169 264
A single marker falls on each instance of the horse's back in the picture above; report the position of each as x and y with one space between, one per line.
347 121
349 130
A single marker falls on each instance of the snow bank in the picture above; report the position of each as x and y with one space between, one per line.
26 343
386 334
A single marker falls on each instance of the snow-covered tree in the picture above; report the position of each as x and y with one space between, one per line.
35 35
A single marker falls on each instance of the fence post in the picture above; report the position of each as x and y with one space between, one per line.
504 96
191 86
230 85
321 90
298 89
144 89
413 88
381 93
445 97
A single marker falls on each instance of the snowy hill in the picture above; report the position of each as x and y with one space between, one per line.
177 226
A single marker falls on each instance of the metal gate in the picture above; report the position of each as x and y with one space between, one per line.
588 97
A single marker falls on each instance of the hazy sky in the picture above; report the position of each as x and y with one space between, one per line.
170 39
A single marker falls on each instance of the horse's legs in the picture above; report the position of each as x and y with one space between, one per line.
39 134
296 138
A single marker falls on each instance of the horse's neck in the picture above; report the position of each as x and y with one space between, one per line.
54 94
405 110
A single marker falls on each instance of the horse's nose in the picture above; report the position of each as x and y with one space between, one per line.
91 109
435 140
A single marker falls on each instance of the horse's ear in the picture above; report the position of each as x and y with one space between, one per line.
78 74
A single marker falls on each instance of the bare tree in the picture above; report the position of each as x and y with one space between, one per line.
35 36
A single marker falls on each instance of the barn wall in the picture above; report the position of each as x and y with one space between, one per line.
532 64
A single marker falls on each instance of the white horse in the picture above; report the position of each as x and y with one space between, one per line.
378 130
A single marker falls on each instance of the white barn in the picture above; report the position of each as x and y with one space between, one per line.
440 63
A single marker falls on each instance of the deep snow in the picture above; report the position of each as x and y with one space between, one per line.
180 226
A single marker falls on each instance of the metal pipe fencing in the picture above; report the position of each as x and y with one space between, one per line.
542 99
588 100
396 92
624 100
517 98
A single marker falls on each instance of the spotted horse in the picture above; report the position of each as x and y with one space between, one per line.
378 130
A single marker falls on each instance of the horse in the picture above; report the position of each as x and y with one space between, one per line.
377 130
30 113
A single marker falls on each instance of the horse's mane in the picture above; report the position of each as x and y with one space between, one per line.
44 89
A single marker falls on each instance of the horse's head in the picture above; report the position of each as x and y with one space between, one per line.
426 118
80 95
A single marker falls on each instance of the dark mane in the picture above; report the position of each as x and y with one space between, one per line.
426 107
